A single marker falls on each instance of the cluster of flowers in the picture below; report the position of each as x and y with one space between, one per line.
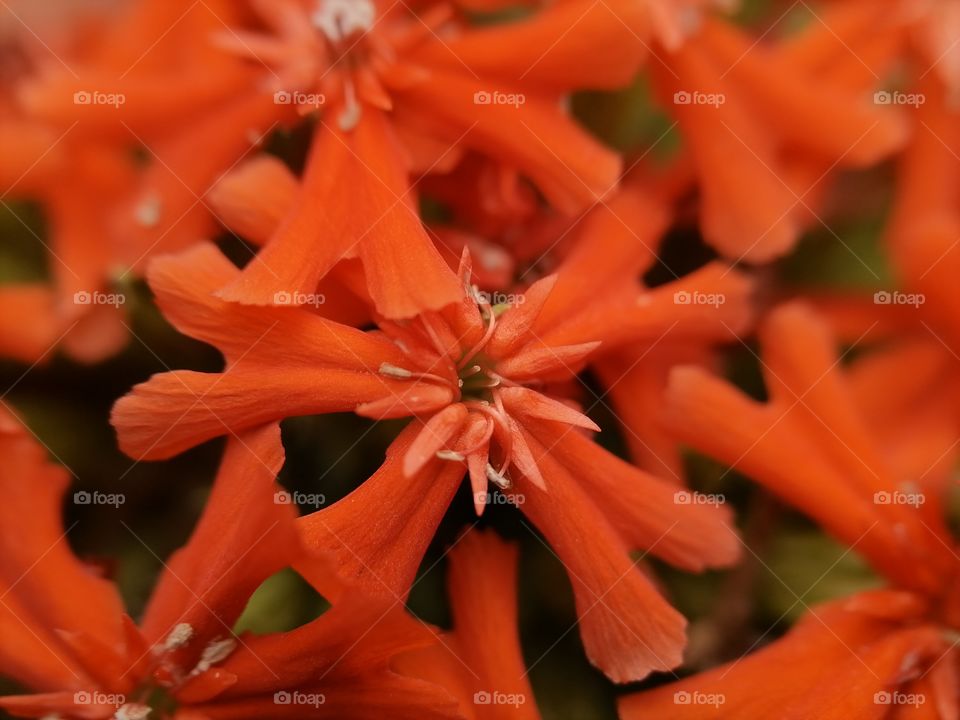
144 131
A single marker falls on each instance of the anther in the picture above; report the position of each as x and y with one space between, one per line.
394 371
497 479
178 637
339 19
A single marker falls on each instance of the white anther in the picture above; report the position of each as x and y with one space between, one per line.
394 371
497 479
213 653
132 711
339 19
178 637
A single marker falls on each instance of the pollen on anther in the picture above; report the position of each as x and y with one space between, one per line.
132 711
394 371
497 479
339 19
178 637
213 653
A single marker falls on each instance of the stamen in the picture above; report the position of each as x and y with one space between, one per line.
394 371
132 711
339 19
178 637
213 653
450 455
472 353
497 479
404 374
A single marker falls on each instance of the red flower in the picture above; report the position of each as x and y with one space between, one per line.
66 637
474 376
874 652
480 660
764 126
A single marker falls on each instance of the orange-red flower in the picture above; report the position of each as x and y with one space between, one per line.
872 480
477 377
399 90
66 638
480 660
764 125
79 109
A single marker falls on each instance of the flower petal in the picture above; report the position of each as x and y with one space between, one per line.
355 198
628 629
382 554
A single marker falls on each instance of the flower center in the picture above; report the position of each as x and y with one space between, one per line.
478 381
